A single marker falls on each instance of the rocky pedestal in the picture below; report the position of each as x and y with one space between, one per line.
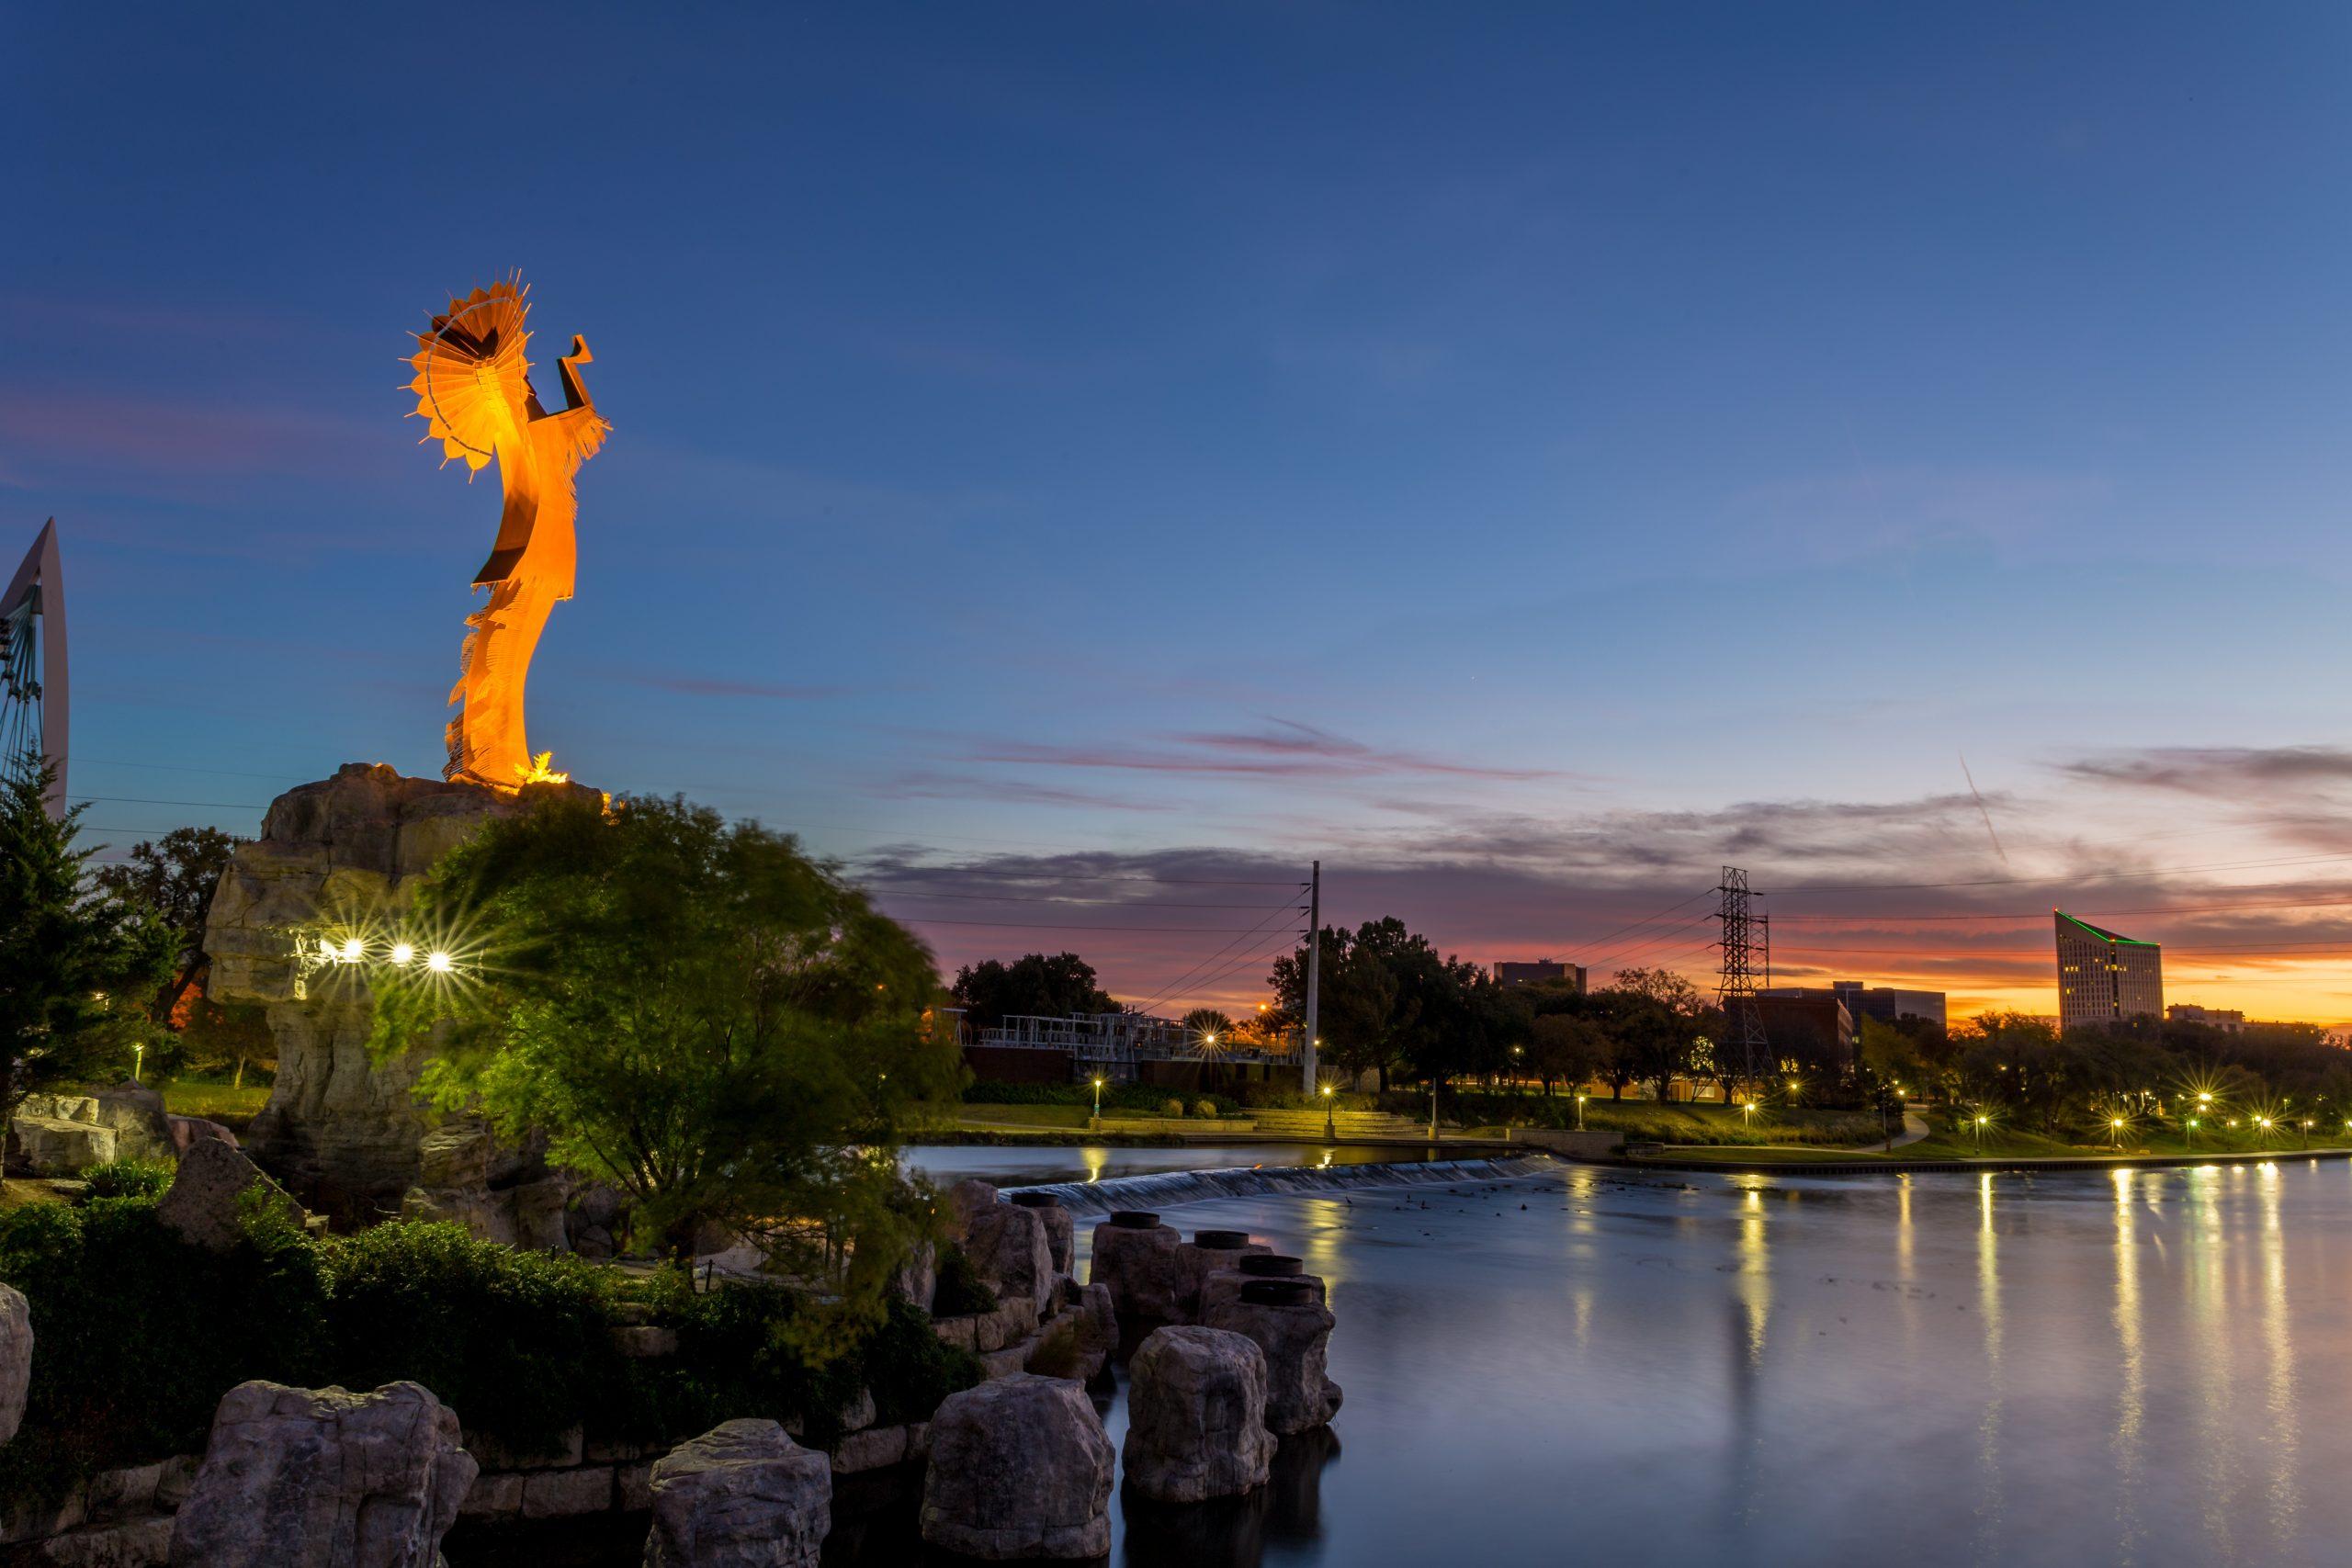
296 1477
1291 1325
1196 1409
742 1495
1020 1467
1137 1257
1208 1253
337 860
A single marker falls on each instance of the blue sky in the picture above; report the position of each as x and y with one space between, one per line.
1525 455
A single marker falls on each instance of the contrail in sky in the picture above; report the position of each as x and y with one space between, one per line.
1981 812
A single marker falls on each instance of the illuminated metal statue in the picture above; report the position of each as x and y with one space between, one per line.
473 387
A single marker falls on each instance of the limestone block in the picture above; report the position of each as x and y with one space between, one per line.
135 1543
1060 1229
918 1278
633 1486
963 1332
570 1448
877 1448
742 1495
1007 1246
1207 1253
1196 1411
54 1147
189 1130
494 1496
294 1476
1019 1467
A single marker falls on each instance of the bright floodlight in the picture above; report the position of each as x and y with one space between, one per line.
437 962
352 948
403 952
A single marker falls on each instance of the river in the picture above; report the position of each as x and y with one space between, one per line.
1600 1365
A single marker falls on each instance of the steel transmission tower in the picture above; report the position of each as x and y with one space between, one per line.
1747 951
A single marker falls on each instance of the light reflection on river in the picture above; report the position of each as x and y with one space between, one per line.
2076 1369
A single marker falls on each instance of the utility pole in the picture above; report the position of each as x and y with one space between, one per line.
1314 974
1743 1020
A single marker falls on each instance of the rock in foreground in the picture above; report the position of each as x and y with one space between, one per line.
321 1478
1139 1259
205 1203
1020 1467
1197 1415
16 1358
742 1495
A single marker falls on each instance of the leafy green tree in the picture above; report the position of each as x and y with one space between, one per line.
692 1010
176 877
1032 986
1653 1017
68 948
1569 1048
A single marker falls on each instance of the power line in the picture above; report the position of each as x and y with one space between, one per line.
1057 925
2054 881
1186 978
888 891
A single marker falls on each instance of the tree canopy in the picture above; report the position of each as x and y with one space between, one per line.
1035 986
688 1008
70 948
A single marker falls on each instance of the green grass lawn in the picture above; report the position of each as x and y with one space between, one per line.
2013 1143
1648 1120
213 1101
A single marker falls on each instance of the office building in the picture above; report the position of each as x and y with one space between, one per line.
2228 1021
1889 1004
2105 978
1540 972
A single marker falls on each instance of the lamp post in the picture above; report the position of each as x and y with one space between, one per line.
1096 1125
1980 1133
2192 1131
2115 1133
1331 1133
1580 1114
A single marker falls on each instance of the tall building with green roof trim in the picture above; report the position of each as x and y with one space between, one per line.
2105 978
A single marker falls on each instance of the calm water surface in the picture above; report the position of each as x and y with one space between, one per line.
1027 1166
2143 1367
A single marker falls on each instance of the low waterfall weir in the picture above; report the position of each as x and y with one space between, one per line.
1174 1189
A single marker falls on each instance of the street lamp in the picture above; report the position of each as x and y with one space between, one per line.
1980 1133
2115 1131
1580 1114
1331 1133
2192 1130
1097 1123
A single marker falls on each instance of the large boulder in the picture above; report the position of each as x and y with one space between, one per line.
1020 1467
16 1358
189 1130
1196 1414
339 857
142 1130
1292 1327
206 1200
1006 1244
742 1495
58 1145
321 1478
1137 1257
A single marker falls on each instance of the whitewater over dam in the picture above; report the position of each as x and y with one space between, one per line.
1174 1189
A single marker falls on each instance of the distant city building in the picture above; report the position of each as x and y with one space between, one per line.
1539 972
1889 1004
1807 1022
2105 978
2230 1021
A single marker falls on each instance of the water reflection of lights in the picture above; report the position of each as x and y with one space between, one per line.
2131 1395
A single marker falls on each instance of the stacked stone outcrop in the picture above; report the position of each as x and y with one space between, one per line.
1210 1252
1020 1467
343 855
742 1495
1196 1416
1061 1235
1005 1242
296 1477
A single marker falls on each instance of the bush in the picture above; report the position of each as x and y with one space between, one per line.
128 1179
910 1369
1205 1108
960 1289
1171 1108
518 1343
139 1333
